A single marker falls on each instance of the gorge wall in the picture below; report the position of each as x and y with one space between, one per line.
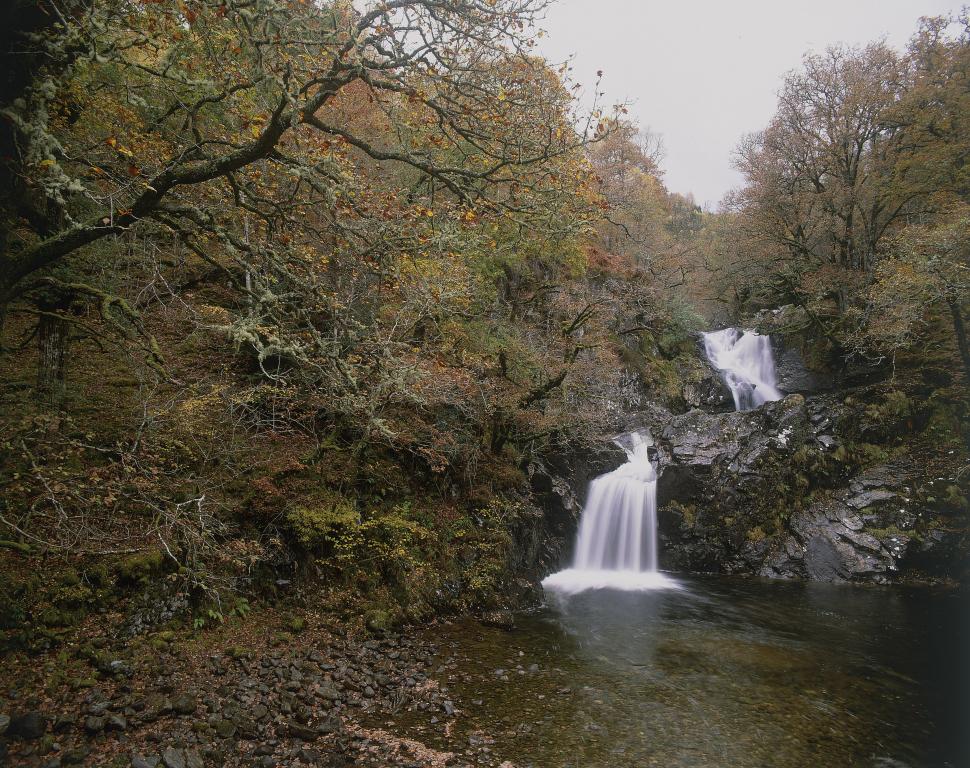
837 481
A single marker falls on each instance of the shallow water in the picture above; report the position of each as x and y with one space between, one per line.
724 672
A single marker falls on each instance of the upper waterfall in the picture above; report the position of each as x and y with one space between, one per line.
748 366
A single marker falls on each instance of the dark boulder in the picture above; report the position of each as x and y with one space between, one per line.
792 374
27 725
710 393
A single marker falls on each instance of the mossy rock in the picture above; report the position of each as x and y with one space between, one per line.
140 569
98 575
955 499
379 621
158 644
756 534
53 617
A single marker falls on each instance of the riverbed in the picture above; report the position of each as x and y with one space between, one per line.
721 672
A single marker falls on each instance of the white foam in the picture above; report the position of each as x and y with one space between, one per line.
574 580
747 364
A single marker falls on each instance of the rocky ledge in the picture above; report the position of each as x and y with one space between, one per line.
782 491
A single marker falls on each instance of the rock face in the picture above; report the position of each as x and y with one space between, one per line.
559 485
714 469
830 483
793 375
710 394
774 492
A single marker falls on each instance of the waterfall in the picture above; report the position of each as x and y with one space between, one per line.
617 541
744 359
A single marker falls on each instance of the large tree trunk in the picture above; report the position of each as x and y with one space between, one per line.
53 335
961 333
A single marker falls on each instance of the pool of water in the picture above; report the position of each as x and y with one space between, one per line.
723 672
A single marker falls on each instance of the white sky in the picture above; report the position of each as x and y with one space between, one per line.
704 72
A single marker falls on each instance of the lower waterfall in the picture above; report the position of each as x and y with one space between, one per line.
617 541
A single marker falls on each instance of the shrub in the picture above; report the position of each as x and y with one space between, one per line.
325 522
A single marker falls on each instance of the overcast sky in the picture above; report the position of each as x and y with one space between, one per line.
704 72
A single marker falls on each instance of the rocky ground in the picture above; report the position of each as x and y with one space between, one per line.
262 691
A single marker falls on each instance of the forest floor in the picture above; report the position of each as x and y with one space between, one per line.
271 689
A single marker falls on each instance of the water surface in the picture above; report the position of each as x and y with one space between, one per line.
724 672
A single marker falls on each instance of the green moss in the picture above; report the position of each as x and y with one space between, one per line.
140 569
944 423
688 513
158 644
16 546
329 518
69 578
955 499
894 406
889 531
97 575
379 620
859 454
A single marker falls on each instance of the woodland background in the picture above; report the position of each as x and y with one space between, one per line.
295 291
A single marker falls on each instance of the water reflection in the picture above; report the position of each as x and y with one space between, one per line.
727 672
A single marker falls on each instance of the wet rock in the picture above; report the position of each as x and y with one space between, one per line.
793 376
300 731
502 619
76 756
93 724
712 469
157 706
116 667
870 498
711 393
64 722
225 729
332 724
116 723
186 704
139 761
828 543
730 497
329 692
173 757
27 725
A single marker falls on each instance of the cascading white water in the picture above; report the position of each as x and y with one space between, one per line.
617 541
748 366
612 534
